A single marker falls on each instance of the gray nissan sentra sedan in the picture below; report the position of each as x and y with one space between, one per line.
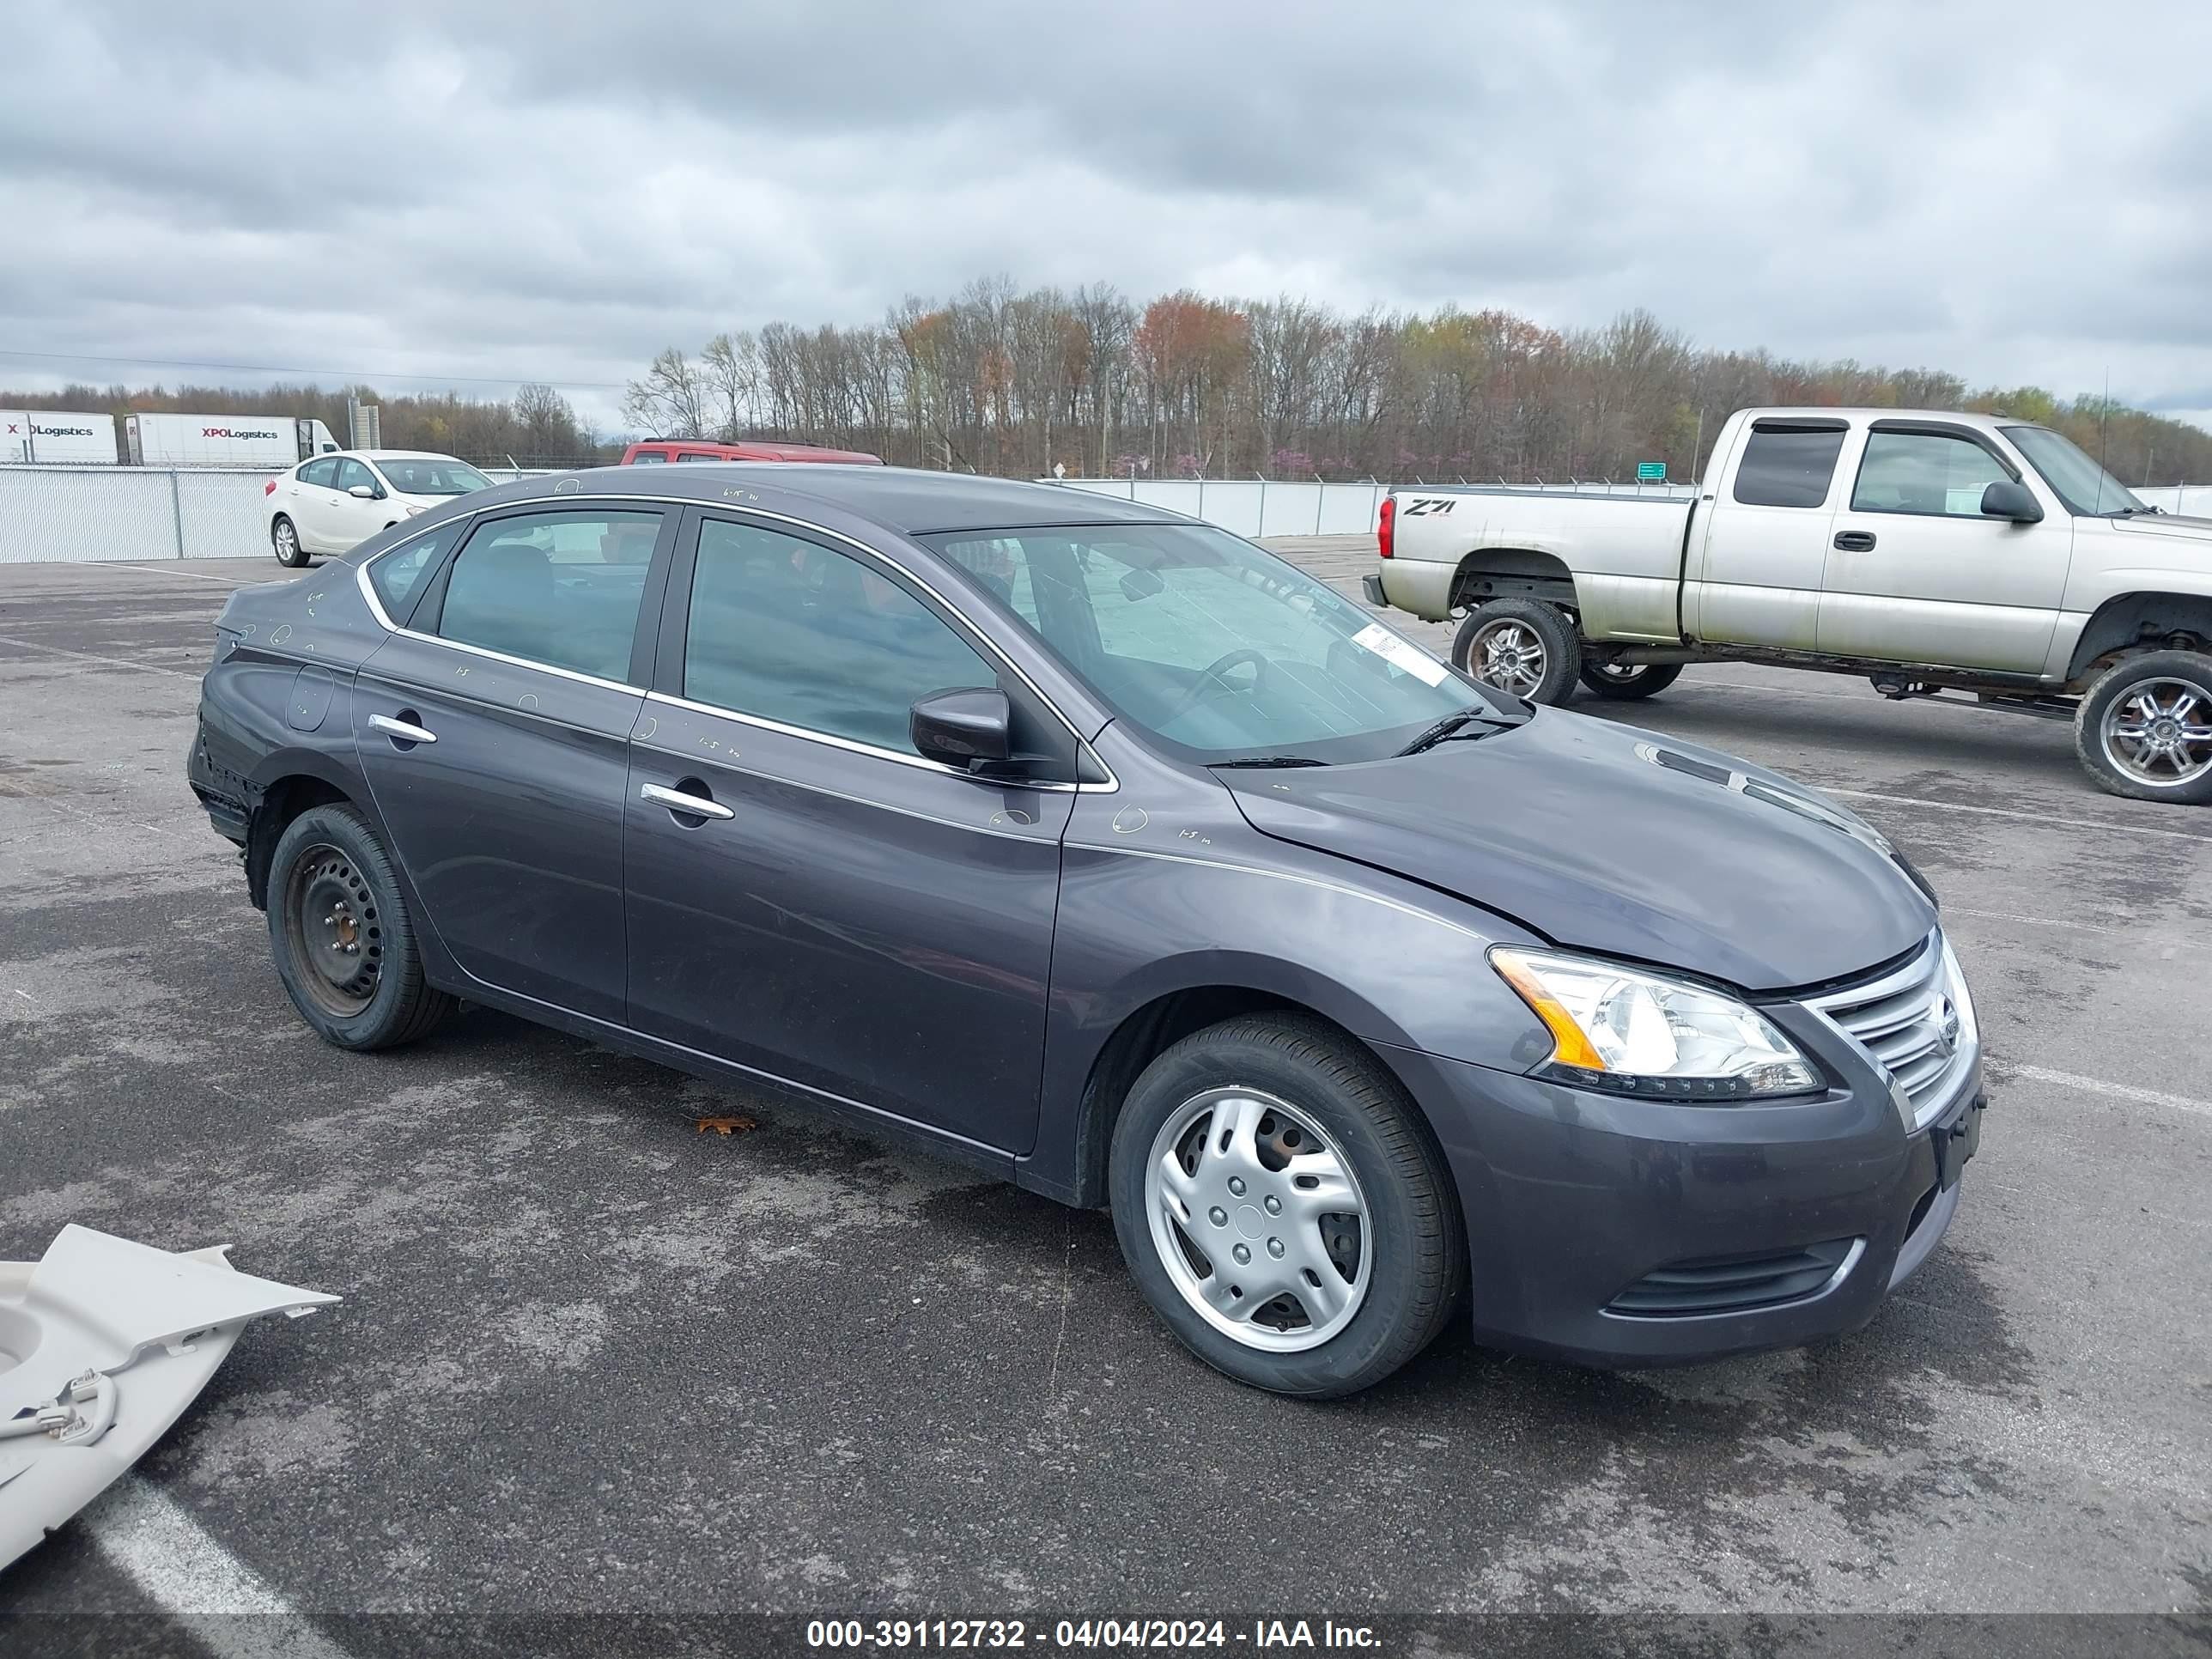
1107 853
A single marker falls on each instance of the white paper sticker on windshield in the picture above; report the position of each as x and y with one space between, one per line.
1401 654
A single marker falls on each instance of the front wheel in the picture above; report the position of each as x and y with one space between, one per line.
1284 1208
344 945
1520 645
2144 728
285 537
1629 682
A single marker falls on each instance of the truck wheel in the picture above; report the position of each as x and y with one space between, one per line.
1627 682
2145 728
1520 645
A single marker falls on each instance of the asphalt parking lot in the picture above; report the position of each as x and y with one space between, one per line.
591 1359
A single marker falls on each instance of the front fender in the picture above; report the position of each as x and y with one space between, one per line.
1399 966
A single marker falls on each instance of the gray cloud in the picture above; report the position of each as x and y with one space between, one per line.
2016 192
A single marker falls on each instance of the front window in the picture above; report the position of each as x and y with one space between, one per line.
431 476
792 631
1216 648
1927 472
2087 488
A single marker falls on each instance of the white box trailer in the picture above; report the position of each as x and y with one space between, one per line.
60 437
255 440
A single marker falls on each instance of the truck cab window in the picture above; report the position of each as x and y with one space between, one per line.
1786 467
1925 472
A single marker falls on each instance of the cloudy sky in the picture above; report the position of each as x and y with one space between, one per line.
2019 192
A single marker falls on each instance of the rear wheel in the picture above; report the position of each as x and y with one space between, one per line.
1628 682
344 945
1284 1208
285 537
2144 729
1520 645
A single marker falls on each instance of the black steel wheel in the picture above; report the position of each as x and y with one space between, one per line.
344 945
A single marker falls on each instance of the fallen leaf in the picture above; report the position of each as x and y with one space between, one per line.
727 1125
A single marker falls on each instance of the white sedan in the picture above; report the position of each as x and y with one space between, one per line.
333 503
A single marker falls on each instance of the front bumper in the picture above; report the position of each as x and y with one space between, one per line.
1577 1204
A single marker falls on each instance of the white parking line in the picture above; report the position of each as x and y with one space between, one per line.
2098 1086
171 1559
86 656
164 570
2014 812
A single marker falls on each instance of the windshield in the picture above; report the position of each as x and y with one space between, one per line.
431 476
1218 648
2086 488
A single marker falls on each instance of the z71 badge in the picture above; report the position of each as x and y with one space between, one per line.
1431 505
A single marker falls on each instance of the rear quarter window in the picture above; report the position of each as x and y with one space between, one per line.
398 576
1784 466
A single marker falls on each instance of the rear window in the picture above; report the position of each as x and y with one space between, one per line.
1786 466
561 587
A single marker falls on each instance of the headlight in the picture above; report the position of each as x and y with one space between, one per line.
411 510
1632 1033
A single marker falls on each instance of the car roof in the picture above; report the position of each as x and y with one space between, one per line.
908 499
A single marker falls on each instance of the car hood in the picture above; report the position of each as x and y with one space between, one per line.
2166 525
1621 841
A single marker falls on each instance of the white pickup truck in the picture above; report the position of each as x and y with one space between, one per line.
1939 555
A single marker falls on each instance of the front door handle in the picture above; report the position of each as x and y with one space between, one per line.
1855 541
401 731
675 800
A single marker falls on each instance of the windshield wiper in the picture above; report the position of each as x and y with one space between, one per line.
1450 727
1257 761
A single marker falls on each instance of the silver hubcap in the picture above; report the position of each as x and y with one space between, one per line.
1508 655
2159 733
285 541
1258 1220
1623 672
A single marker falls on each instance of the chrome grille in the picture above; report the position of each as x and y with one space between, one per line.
1917 1024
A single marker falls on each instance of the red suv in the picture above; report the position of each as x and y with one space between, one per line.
654 451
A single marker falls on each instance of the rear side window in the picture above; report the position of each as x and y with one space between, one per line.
1924 472
397 575
561 588
319 472
648 457
694 455
793 632
1786 467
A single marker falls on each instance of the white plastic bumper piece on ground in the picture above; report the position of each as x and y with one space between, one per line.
103 1343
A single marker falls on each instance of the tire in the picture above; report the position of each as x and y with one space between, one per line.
1536 640
2165 698
1629 683
330 886
1283 1081
284 540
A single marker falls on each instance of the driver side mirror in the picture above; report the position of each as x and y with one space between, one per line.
2008 499
962 727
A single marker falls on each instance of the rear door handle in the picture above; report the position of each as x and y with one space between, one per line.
675 800
401 731
1855 541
